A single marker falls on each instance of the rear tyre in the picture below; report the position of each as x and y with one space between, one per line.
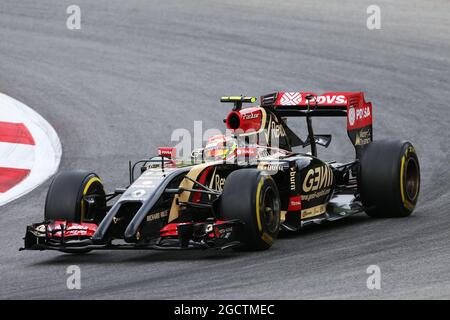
252 198
389 178
65 197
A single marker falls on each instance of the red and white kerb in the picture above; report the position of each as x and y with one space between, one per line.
16 154
30 150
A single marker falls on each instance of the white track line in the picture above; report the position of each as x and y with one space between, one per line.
47 151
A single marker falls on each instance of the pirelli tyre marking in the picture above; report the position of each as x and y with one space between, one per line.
258 192
406 196
264 236
402 191
267 238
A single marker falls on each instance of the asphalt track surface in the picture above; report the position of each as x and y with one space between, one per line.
116 89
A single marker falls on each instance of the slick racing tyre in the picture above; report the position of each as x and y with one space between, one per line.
66 197
252 198
389 178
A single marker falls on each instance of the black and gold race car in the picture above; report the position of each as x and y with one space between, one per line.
241 188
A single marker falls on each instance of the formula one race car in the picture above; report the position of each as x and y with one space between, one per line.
241 188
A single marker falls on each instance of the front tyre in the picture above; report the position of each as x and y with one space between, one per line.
66 197
389 178
252 197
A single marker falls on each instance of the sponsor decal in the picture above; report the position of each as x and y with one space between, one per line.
117 220
146 183
351 115
317 178
209 228
296 99
250 121
272 133
217 182
362 113
246 152
314 211
167 152
78 233
333 99
273 167
295 203
138 193
157 215
276 130
291 98
222 233
251 115
359 116
69 230
154 174
292 178
41 228
315 195
77 227
363 137
282 216
263 153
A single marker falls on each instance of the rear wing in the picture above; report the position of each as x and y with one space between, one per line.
330 104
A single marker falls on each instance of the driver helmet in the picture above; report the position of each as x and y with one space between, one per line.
220 147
